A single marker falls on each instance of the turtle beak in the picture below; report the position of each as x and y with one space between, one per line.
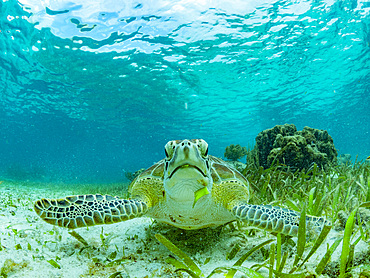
186 166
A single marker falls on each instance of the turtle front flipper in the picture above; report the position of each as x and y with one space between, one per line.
276 219
88 210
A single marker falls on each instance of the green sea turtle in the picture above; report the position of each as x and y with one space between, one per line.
188 189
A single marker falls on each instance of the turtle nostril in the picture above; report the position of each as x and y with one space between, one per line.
185 142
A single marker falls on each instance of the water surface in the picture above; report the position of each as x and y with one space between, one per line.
90 89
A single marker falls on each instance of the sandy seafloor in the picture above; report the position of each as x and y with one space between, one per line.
28 243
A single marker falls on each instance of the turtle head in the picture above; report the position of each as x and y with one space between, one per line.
187 168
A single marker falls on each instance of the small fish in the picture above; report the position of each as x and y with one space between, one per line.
368 158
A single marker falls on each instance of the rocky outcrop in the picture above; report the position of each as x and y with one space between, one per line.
296 149
132 175
344 158
235 152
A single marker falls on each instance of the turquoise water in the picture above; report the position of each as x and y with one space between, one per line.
91 89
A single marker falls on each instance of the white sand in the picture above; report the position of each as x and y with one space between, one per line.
144 255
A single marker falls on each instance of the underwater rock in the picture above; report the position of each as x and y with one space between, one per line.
235 152
342 220
240 166
296 149
362 216
344 158
131 176
11 266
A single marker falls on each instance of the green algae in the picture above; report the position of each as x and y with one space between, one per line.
54 263
186 264
192 266
78 237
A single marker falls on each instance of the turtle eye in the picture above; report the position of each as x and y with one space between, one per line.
206 152
165 151
169 149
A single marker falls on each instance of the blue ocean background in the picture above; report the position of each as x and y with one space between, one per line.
92 89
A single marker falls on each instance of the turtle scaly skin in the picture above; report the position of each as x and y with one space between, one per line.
88 210
169 192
